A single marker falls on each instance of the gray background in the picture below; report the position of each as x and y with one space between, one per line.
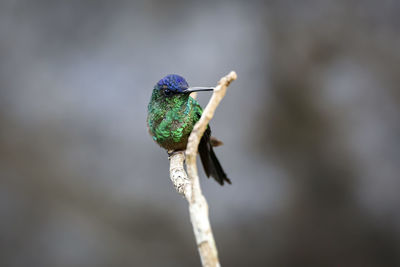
311 131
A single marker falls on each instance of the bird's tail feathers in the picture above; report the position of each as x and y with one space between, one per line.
210 162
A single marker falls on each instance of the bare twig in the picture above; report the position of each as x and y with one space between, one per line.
178 174
189 185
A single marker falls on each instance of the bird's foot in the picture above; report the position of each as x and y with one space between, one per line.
172 152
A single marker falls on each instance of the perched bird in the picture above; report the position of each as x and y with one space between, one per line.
172 114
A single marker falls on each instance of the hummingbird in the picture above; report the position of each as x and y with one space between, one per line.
172 114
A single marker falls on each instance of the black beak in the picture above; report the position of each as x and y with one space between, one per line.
198 89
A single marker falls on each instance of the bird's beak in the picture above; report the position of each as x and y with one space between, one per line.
197 89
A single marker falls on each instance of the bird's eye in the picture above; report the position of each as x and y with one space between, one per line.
167 92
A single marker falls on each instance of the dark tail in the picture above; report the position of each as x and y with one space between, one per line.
211 165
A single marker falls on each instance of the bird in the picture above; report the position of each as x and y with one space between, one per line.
172 114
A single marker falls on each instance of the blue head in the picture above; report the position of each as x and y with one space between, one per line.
172 84
175 84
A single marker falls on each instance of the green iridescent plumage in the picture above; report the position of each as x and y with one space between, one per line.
172 114
171 119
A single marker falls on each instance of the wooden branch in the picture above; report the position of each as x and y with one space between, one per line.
188 184
178 174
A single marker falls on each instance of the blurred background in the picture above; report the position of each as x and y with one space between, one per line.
311 131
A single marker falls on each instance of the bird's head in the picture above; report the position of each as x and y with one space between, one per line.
174 84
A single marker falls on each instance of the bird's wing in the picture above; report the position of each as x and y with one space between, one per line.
210 162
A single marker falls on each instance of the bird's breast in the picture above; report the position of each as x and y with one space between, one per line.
171 131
